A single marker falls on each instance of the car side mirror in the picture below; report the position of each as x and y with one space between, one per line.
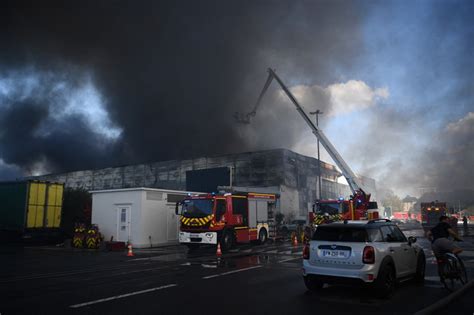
411 240
176 209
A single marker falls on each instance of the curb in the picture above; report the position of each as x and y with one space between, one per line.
445 301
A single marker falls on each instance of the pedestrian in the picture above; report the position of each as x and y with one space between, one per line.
464 225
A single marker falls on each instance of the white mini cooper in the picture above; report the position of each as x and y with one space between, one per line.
372 252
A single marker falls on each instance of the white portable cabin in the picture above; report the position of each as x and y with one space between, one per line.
145 217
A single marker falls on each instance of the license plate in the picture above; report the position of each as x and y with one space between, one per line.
194 235
335 253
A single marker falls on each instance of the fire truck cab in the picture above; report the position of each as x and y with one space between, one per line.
225 218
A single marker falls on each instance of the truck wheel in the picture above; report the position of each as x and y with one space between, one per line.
385 283
227 240
312 283
262 236
420 269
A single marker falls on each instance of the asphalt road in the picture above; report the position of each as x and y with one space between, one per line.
263 279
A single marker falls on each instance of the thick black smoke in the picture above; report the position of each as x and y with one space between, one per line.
171 73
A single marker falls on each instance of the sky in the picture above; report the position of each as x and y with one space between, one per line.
95 84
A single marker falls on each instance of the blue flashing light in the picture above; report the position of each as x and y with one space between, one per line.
341 198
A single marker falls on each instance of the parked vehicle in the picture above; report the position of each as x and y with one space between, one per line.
372 252
397 221
227 218
430 213
31 209
293 226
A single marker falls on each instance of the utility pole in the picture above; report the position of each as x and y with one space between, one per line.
317 113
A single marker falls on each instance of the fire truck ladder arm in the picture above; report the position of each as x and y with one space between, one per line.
345 169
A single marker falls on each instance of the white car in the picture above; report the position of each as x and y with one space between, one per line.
372 252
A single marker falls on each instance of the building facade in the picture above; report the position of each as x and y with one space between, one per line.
292 175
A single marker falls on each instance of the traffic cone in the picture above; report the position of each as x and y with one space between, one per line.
218 252
295 241
130 252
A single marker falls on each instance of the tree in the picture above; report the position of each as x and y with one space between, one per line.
393 201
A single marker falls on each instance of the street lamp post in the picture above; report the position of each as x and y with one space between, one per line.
317 113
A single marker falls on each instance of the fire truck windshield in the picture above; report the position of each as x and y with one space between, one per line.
331 208
197 207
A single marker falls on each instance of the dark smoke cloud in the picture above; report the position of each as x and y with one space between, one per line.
171 72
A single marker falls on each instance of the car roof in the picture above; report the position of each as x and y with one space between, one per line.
360 223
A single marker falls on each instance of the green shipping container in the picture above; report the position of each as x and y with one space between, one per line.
30 205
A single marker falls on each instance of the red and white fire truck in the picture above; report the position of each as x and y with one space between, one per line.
225 218
359 205
430 213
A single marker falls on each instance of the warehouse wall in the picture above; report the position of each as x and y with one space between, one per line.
279 167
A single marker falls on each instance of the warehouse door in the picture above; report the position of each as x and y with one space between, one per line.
123 226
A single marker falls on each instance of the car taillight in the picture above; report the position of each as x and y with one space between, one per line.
306 251
368 256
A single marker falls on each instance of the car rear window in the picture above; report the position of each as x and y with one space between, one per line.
342 234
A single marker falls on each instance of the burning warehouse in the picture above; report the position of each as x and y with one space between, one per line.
291 175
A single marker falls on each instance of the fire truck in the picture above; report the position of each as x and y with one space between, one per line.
430 213
359 205
225 218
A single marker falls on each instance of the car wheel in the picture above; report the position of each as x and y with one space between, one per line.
262 236
386 280
312 283
420 269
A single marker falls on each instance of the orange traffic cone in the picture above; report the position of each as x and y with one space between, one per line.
218 252
295 241
130 252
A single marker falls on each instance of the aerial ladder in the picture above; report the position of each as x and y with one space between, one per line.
360 201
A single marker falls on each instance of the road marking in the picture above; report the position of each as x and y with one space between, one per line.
122 296
137 259
208 266
230 272
285 260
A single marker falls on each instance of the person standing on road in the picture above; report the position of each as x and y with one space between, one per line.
439 236
464 225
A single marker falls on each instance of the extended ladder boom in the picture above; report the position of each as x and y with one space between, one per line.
345 169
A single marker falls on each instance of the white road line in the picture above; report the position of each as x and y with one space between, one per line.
137 259
208 266
230 272
122 296
285 260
